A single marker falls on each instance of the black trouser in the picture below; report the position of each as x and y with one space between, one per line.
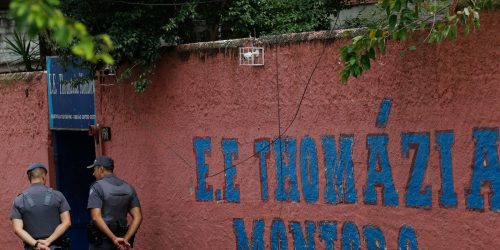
105 245
99 241
52 247
63 243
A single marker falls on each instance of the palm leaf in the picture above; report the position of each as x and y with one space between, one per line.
22 47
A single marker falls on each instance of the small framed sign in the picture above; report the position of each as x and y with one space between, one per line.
106 133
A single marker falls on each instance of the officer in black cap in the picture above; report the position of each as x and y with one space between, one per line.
110 200
40 215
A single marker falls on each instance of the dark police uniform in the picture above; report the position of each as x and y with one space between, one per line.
115 198
39 207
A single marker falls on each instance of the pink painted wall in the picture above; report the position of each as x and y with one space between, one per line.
24 136
452 86
449 87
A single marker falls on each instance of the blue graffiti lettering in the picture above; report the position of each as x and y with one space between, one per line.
413 197
300 242
339 170
486 169
262 148
328 233
278 235
286 175
241 236
448 197
202 146
407 238
377 147
384 112
230 149
374 237
350 236
304 238
309 169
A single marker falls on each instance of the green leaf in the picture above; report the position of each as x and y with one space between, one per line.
21 10
107 41
402 34
356 39
344 52
381 45
445 31
393 19
53 2
40 22
60 36
372 34
344 75
352 61
107 58
432 37
78 50
452 34
350 48
371 53
395 35
476 23
356 71
396 5
81 30
365 62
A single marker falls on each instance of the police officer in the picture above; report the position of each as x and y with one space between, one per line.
110 200
40 215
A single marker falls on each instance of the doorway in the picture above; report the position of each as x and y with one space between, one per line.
73 151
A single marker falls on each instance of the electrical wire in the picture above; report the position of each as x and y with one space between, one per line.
279 120
148 127
278 101
280 135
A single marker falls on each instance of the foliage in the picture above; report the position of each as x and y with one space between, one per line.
403 19
26 49
36 16
270 17
140 29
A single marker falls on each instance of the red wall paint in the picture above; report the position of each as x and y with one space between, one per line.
24 136
452 86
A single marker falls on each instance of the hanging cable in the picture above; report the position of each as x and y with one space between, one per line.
280 135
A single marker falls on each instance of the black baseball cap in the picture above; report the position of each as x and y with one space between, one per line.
35 165
104 161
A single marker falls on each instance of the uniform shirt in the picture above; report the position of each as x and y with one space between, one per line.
45 219
114 197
